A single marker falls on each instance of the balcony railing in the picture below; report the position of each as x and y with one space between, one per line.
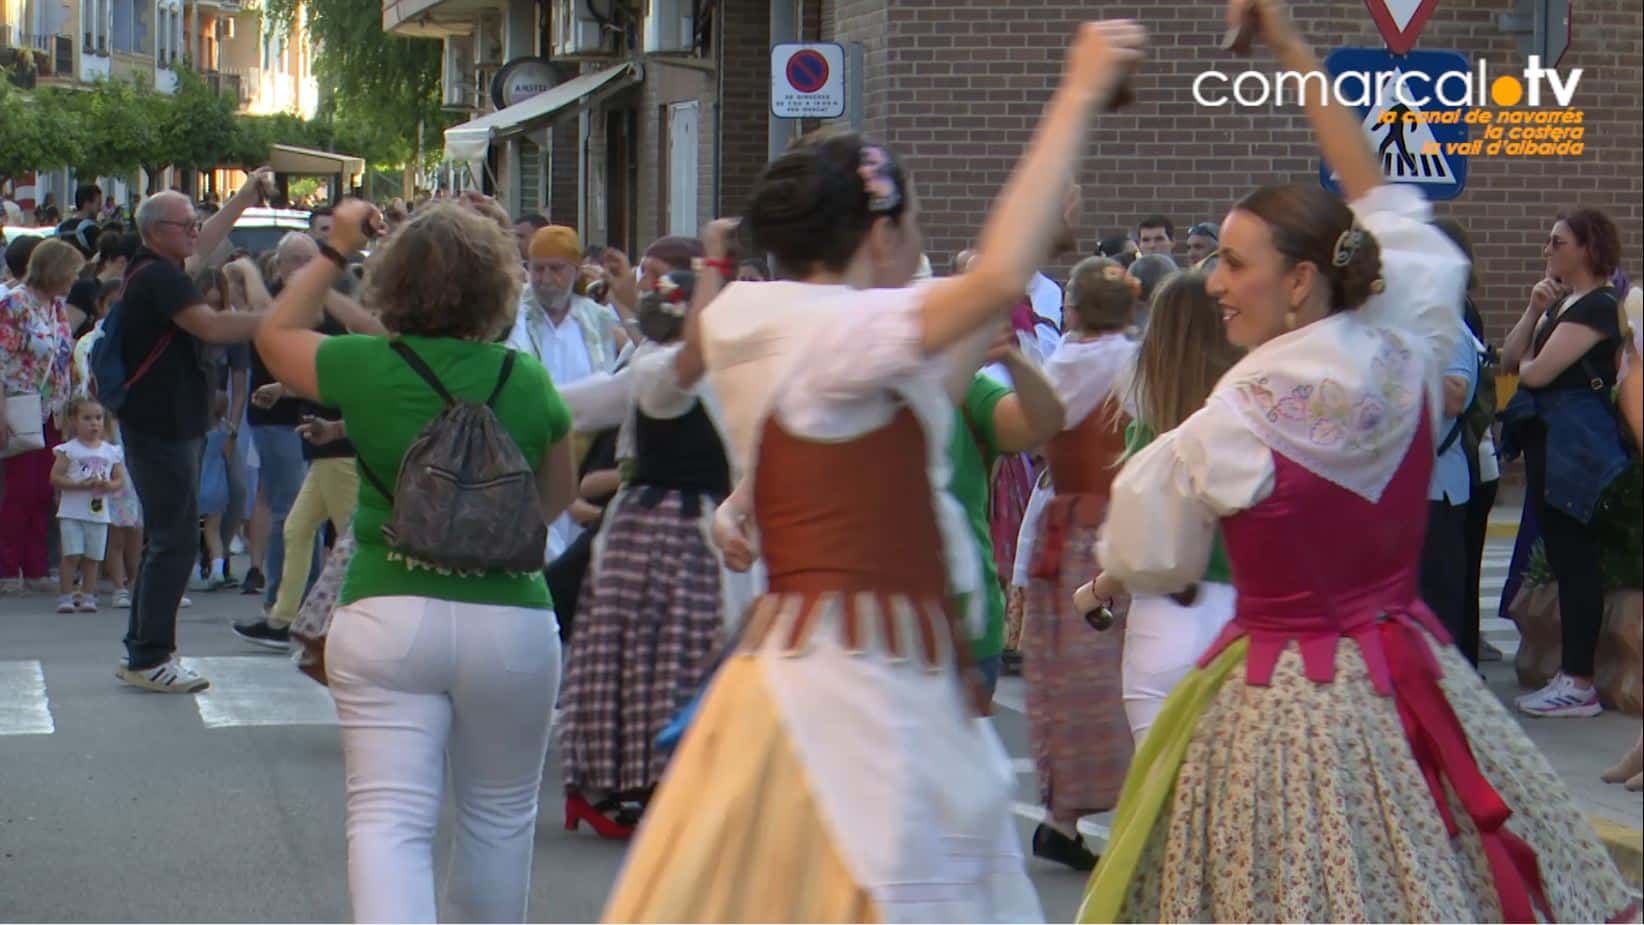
39 55
222 82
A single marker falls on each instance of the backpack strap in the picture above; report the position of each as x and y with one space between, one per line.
420 368
1449 438
371 477
502 377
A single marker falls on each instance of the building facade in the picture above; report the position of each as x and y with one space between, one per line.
954 88
267 68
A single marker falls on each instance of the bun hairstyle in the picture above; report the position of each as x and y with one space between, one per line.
1310 225
661 311
1102 294
815 204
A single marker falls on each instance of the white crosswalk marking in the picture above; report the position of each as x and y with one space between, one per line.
24 709
257 690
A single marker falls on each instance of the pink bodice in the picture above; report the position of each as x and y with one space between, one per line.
1315 562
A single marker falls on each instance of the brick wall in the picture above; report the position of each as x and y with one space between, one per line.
563 170
745 101
955 87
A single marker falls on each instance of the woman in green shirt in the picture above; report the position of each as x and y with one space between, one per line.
1182 356
425 664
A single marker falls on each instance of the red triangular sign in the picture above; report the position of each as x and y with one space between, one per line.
1400 21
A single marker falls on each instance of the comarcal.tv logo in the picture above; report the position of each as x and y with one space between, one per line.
1532 110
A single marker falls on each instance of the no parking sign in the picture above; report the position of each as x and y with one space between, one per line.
808 80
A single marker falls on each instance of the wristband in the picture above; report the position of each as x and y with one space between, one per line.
335 256
724 265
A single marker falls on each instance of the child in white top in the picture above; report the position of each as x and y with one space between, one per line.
87 471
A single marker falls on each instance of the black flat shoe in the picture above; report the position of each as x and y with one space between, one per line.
1052 845
1010 663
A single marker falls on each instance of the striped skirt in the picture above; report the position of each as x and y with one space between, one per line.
647 628
1075 693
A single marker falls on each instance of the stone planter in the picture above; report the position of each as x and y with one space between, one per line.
1619 666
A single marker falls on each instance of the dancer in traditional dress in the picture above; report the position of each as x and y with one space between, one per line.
1076 720
652 620
1334 758
837 769
1184 353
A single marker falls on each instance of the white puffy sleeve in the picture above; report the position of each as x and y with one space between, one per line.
656 389
1162 517
600 401
1424 272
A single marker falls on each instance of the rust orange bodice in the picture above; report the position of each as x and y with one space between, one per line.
1084 460
852 515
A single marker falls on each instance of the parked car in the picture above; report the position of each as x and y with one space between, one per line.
13 232
261 229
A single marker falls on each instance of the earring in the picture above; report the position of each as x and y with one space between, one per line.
1290 320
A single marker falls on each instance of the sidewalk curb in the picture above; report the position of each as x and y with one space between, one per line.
1626 847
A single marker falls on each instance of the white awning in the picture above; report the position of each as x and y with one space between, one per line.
469 141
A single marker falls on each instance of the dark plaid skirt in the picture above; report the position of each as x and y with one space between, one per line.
647 629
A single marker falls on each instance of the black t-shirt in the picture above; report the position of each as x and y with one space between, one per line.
1598 310
336 449
287 412
173 399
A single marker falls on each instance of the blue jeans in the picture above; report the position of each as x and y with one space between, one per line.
989 667
280 477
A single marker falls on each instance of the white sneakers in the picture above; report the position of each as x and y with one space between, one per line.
169 677
1561 697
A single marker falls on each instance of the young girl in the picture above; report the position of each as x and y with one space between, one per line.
125 526
87 471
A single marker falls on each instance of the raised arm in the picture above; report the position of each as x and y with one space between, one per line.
1033 413
287 342
1336 128
1019 232
216 228
688 364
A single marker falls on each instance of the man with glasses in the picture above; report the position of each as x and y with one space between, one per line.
165 322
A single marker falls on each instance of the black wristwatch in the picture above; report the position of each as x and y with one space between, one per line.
335 256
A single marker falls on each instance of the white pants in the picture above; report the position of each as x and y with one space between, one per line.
416 681
1163 640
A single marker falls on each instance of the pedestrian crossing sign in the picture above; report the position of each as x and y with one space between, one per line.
1416 135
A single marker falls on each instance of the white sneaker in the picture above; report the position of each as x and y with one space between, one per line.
185 602
122 598
237 546
1561 697
169 677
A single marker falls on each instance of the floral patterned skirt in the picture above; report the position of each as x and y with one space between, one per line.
1304 801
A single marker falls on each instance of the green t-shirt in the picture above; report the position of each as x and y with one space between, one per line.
385 404
1138 435
973 424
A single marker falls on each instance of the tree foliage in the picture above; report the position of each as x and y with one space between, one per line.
39 131
114 127
382 87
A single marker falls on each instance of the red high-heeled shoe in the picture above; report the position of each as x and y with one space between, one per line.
578 810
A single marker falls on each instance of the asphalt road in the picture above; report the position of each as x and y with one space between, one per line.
121 805
228 806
